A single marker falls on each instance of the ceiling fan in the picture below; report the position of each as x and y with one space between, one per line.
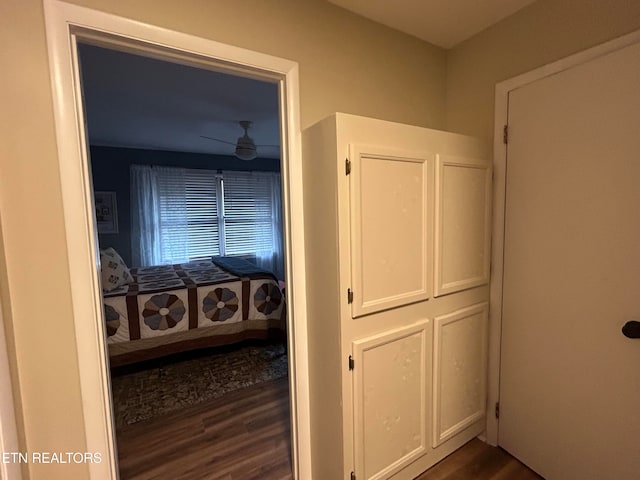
246 149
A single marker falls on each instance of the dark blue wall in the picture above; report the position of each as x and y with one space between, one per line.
110 171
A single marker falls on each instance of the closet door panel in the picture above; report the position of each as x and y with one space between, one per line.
391 399
459 370
463 210
391 202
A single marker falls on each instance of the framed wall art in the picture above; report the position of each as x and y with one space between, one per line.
106 212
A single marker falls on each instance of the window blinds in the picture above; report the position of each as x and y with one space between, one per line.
201 213
247 213
189 225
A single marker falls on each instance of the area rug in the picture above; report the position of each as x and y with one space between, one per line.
165 386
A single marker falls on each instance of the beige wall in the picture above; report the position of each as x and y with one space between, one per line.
545 31
346 64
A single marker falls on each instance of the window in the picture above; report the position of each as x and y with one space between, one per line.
247 213
186 214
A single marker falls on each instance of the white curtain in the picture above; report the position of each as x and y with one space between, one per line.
145 216
173 217
273 258
158 215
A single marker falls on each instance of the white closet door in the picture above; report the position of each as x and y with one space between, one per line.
463 230
392 389
569 380
391 214
460 360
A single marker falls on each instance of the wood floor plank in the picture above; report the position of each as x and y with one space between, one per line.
447 467
479 461
245 434
515 471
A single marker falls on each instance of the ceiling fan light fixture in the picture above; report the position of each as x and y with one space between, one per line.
245 148
246 152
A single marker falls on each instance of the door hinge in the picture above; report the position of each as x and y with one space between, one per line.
351 363
347 166
353 476
349 295
497 411
505 134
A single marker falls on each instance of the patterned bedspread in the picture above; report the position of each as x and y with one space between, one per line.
197 295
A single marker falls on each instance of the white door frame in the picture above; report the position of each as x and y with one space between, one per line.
499 204
8 431
65 25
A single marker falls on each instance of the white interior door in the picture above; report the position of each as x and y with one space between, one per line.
569 380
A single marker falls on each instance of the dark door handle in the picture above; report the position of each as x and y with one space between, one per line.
631 329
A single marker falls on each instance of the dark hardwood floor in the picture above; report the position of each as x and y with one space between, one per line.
479 461
243 435
246 435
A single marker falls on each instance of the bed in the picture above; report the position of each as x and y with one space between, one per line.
174 308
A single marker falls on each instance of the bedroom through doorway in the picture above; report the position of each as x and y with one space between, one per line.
186 173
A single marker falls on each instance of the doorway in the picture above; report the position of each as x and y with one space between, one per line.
69 25
186 221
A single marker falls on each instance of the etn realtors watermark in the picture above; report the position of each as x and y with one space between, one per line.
51 457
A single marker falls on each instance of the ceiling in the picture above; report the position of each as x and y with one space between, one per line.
140 102
441 22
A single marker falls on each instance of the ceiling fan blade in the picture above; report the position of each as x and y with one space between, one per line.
218 140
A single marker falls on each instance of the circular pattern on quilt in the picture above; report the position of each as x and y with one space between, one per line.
112 319
155 269
267 298
161 284
163 311
220 304
156 277
204 277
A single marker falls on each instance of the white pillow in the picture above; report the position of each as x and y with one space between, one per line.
114 272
